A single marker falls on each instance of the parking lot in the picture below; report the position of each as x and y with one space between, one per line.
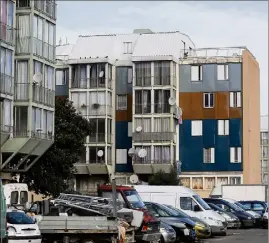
243 236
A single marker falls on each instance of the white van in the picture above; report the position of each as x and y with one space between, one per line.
186 200
16 193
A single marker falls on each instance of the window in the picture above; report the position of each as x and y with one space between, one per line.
258 207
36 120
222 71
186 181
98 133
197 183
196 128
161 125
14 197
264 151
121 102
235 154
235 99
142 101
208 100
130 129
209 182
196 73
223 127
127 47
130 75
209 155
93 155
161 98
246 205
162 73
143 74
145 123
62 77
222 181
235 180
121 156
147 158
187 203
162 154
19 218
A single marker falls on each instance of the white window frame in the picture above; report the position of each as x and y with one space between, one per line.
223 127
197 128
128 47
207 96
212 155
222 72
121 156
198 70
233 152
235 99
122 104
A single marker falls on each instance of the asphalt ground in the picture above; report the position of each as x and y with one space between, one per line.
242 236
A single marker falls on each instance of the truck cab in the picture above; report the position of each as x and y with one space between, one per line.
150 228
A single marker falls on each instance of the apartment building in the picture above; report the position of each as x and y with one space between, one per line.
122 84
27 91
219 137
264 149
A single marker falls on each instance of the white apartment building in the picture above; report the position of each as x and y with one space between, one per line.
27 42
127 86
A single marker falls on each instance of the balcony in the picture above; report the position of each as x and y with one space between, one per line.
93 167
143 81
40 135
99 110
157 108
153 136
23 4
162 108
6 130
142 108
48 7
151 166
6 84
43 49
43 95
7 34
99 138
92 83
164 80
23 45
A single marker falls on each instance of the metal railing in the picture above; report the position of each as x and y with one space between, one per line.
143 81
91 83
23 45
21 92
17 133
99 110
48 7
7 33
43 95
99 138
152 108
142 108
151 161
165 80
97 161
154 136
6 128
42 135
23 4
6 84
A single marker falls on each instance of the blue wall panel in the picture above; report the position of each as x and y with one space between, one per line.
191 147
61 90
123 142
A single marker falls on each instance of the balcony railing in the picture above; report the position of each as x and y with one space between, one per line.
6 128
153 136
165 80
23 45
142 108
162 108
97 161
48 7
151 161
92 83
7 33
143 81
147 108
23 4
99 110
42 135
6 84
21 92
43 95
99 138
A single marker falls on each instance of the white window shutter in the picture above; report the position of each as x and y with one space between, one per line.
227 71
121 156
231 99
130 129
220 127
239 155
232 155
212 150
226 127
238 94
220 72
194 73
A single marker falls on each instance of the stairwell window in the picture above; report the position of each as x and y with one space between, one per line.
235 155
222 72
122 102
223 127
127 47
196 73
208 100
196 128
235 99
209 155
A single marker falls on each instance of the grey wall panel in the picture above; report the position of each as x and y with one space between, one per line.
210 82
61 90
121 80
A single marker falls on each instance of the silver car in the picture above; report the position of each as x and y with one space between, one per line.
168 233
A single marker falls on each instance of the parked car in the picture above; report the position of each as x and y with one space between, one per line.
202 229
168 233
258 217
256 206
21 228
265 219
232 220
246 219
184 227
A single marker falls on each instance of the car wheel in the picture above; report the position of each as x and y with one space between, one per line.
162 240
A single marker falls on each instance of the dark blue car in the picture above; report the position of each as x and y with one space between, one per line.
255 205
245 218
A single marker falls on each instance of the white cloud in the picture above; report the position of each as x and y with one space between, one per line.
207 26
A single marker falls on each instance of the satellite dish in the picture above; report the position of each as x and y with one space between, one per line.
131 152
172 101
133 178
100 153
101 74
139 129
37 77
142 153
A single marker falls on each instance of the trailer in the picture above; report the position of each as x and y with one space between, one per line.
67 229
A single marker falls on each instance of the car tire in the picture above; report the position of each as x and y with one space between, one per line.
162 240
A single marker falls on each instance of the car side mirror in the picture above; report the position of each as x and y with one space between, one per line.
196 208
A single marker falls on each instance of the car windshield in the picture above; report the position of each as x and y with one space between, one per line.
202 203
176 211
18 218
134 199
242 206
213 206
234 207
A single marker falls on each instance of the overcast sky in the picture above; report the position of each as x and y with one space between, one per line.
209 24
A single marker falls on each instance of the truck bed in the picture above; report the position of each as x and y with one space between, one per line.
77 225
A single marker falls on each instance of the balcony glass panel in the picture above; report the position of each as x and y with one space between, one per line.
21 121
142 101
162 73
94 158
143 74
23 41
23 3
48 7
